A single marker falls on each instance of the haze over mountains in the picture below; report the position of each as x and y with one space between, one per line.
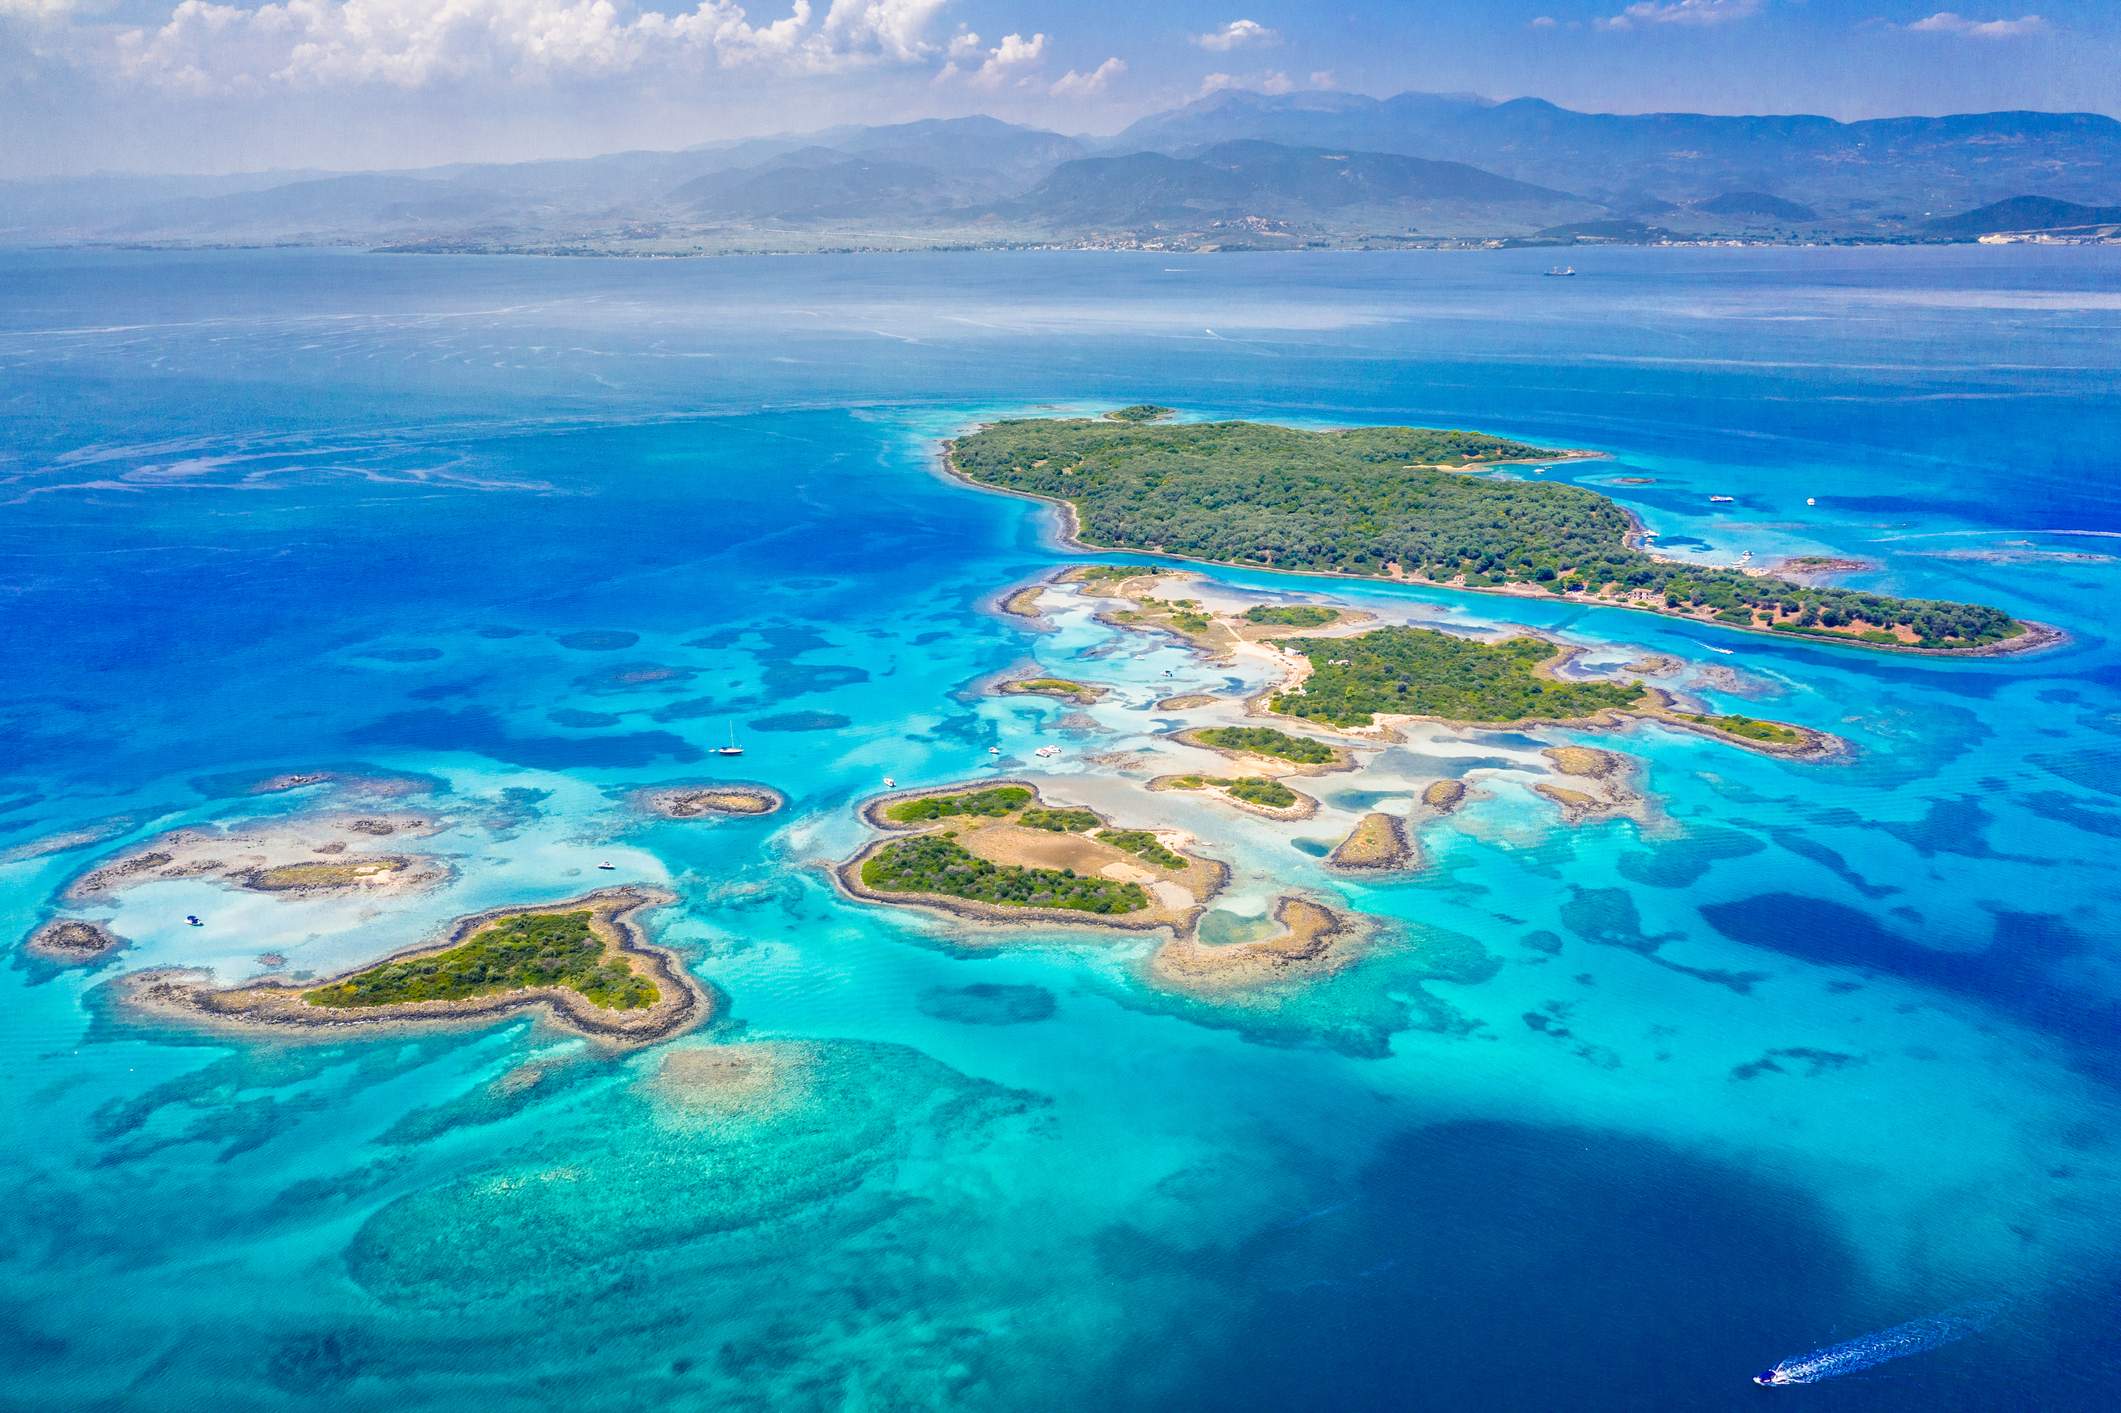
1234 170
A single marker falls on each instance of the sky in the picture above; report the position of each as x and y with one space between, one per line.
205 86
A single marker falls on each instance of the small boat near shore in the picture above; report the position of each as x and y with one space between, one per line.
732 749
1561 272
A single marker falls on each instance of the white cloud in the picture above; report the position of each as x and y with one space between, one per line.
1235 35
1542 22
1680 12
37 9
205 46
964 44
1276 82
897 29
1945 22
1216 83
1008 59
1074 85
1324 78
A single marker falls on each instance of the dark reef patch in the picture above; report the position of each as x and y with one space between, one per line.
2022 972
481 732
1814 1062
693 708
598 640
795 679
400 655
987 1003
1683 862
1797 842
574 716
802 721
2062 809
636 677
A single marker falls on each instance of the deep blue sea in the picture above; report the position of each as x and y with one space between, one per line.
1614 1116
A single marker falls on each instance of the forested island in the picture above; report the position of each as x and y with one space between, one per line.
1396 503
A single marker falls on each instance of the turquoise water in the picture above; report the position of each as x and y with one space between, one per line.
1612 1116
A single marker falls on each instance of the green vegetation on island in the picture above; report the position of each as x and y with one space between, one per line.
1421 672
1259 790
1291 615
1773 733
1057 820
519 952
938 864
1144 844
1371 501
1266 741
992 803
1140 412
1080 692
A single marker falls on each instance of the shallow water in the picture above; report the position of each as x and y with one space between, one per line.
1820 1049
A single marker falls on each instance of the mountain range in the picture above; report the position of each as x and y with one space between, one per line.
1234 170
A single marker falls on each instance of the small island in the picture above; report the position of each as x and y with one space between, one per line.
711 801
1378 843
1421 672
1258 794
1602 789
1000 852
1305 755
1141 412
1061 688
585 963
1000 855
1443 796
1364 681
1396 503
72 942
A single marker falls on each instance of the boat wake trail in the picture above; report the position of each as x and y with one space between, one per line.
1914 1337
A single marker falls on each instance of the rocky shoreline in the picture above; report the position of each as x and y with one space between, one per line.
73 942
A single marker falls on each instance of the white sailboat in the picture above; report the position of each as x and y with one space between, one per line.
732 749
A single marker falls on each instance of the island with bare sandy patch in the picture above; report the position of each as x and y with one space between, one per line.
584 963
290 854
1000 855
1602 785
1379 843
999 852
